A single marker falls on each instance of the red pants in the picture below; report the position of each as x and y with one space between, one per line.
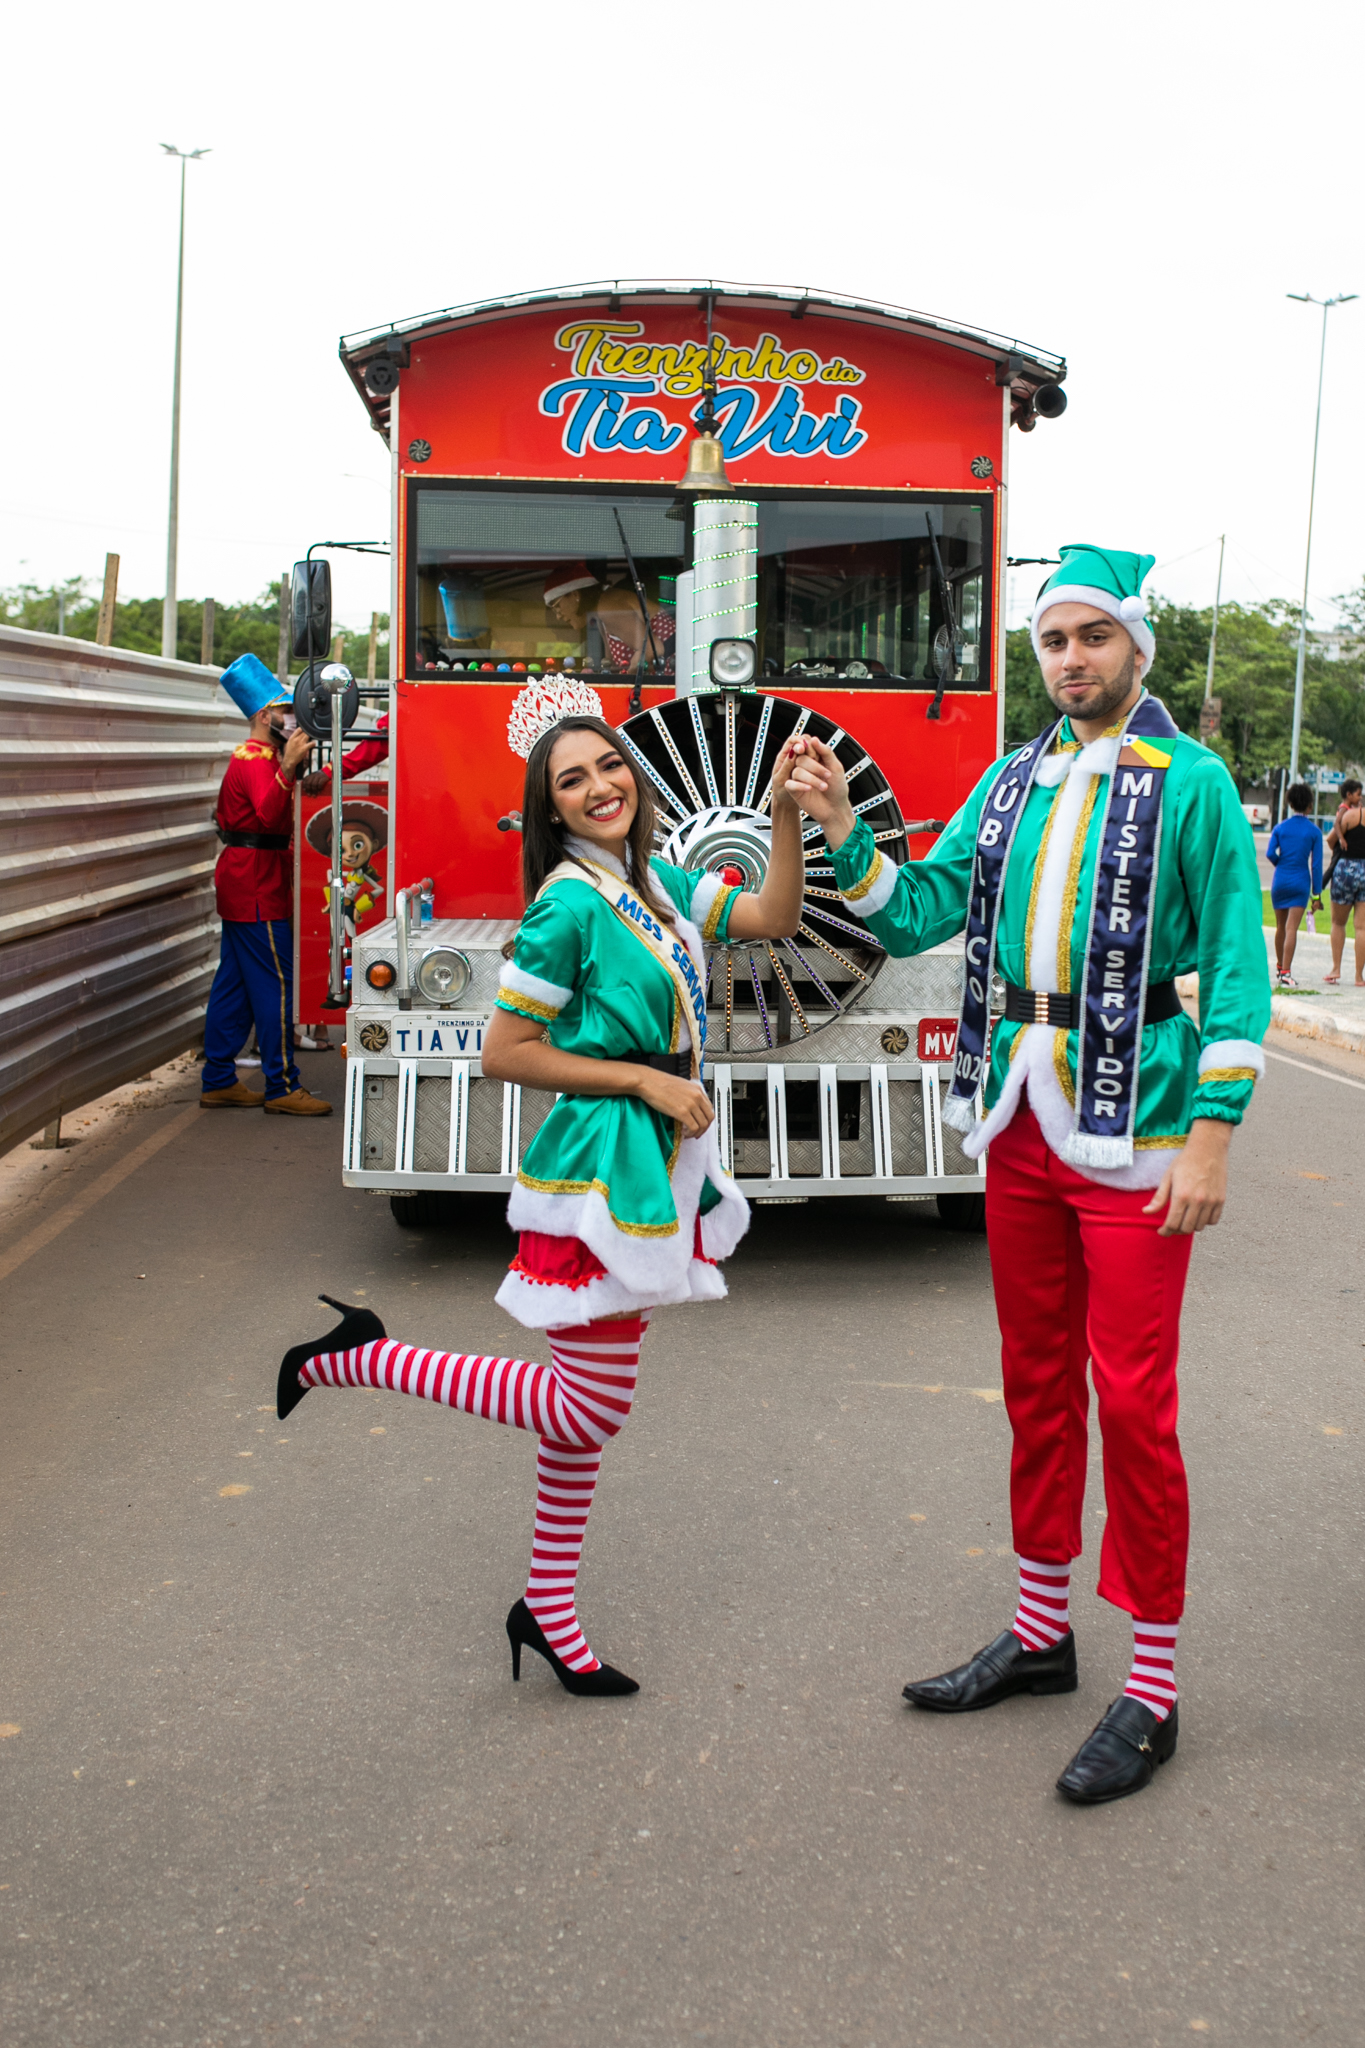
1081 1276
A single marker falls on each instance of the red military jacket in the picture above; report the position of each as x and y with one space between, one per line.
367 753
253 882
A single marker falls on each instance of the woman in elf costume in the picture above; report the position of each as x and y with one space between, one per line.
622 1202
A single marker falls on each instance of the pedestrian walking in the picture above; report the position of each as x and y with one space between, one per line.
1089 868
622 1202
254 888
1347 879
1294 851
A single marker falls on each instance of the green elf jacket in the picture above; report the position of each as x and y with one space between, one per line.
1206 916
607 1169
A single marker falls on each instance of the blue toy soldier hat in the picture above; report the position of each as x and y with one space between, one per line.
251 686
1107 578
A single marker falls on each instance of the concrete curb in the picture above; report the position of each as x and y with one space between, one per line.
1308 1020
1305 1020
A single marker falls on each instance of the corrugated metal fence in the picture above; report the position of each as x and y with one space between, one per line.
109 767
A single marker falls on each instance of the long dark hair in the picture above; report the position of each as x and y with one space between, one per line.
542 840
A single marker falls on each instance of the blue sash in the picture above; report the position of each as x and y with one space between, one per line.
1118 944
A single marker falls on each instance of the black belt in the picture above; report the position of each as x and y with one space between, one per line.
679 1063
1042 1006
268 842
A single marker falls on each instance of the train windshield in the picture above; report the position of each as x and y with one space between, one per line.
876 592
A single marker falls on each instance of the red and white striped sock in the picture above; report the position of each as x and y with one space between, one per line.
565 1482
1152 1678
582 1398
575 1405
1044 1613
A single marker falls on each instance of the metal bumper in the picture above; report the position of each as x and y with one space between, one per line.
786 1131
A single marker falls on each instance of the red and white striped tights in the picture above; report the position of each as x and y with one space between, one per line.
574 1405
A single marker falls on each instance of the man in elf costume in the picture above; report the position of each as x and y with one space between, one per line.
1089 868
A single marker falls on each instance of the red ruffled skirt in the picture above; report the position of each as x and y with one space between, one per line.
548 1261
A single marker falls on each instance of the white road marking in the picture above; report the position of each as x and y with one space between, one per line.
1325 1072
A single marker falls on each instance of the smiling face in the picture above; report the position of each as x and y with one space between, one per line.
1091 667
356 846
592 790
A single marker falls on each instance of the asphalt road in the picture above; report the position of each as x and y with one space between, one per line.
264 1776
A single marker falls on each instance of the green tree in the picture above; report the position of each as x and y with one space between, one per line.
252 628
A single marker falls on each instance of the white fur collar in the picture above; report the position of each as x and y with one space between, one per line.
587 849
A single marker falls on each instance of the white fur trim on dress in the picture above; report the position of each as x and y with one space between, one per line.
548 992
647 1271
703 896
1233 1052
1129 611
1032 1068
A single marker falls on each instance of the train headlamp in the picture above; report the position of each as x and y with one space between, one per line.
443 975
733 663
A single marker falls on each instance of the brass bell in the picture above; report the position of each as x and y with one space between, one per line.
705 471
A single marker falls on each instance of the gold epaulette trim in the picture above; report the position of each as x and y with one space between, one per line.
526 1006
718 909
857 890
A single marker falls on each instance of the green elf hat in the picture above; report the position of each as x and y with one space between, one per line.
1108 579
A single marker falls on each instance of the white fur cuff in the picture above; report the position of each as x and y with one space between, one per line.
548 992
1232 1052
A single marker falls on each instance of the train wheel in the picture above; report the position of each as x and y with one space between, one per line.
709 760
420 1211
962 1212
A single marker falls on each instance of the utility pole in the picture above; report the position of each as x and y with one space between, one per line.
169 614
1307 299
206 634
1206 723
104 624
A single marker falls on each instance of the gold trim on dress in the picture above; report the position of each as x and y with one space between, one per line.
1061 1067
718 908
1226 1074
1159 1144
588 1187
1038 860
1071 889
529 1006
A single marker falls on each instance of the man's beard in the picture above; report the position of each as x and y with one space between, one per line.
1109 695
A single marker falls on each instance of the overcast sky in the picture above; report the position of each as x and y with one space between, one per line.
1136 188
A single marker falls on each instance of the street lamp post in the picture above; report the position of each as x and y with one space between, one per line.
1307 299
169 611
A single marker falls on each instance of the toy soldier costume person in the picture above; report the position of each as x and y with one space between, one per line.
622 1202
254 887
1089 868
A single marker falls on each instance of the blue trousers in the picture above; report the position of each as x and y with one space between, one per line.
253 985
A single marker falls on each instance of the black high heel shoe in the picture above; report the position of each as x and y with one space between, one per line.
522 1627
357 1326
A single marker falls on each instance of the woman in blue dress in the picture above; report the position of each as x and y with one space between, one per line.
1295 853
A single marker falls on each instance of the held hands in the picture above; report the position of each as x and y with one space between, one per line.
818 784
1194 1190
685 1101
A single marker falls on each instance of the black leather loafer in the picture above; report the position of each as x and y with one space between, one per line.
1121 1754
1003 1668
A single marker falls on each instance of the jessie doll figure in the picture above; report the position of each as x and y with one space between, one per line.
364 830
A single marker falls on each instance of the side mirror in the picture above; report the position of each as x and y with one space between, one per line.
310 610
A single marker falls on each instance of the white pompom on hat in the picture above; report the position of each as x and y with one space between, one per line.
1107 578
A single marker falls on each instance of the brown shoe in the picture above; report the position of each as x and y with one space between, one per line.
300 1103
238 1096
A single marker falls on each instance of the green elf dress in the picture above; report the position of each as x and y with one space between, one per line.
1206 918
617 1212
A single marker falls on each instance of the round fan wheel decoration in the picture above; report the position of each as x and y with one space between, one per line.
709 763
